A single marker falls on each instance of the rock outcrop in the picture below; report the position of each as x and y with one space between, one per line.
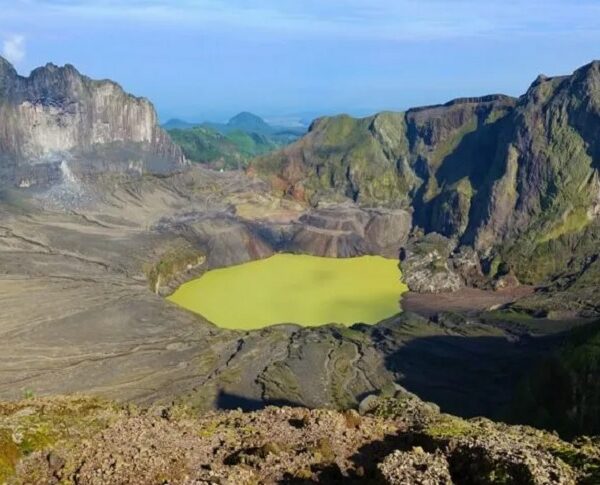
57 122
346 231
427 267
400 441
80 313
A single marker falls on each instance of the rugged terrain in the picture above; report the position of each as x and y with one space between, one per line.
395 440
101 216
99 323
57 119
515 179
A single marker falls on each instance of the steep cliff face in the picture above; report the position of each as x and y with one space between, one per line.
517 179
56 115
397 159
540 204
344 157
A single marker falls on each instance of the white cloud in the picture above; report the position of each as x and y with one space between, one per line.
13 48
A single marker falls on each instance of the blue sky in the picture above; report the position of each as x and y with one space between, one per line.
208 59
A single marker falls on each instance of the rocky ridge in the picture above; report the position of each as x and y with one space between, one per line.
514 179
397 440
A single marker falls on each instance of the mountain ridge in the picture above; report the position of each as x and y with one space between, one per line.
464 167
244 121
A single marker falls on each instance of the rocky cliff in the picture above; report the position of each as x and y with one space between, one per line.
515 179
57 116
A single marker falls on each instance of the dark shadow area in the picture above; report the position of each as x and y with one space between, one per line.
229 401
468 376
476 158
472 157
562 391
469 371
369 455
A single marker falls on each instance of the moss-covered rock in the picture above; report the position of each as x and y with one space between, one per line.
171 264
400 440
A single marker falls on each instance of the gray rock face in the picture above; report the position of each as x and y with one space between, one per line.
339 231
57 116
426 266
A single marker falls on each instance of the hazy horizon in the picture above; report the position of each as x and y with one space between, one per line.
208 60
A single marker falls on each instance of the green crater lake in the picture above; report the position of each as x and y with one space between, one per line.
291 288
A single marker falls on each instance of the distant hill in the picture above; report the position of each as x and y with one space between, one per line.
243 121
177 124
233 150
230 145
246 121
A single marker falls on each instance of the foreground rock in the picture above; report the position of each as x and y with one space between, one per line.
400 440
415 467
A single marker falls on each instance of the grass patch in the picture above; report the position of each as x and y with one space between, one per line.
573 221
448 427
446 147
34 425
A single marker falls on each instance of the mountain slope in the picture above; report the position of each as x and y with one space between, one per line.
229 145
563 392
230 151
177 124
517 179
246 121
384 158
57 115
544 202
250 123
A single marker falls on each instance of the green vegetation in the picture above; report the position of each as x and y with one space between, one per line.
449 145
448 426
171 263
347 157
33 425
301 289
563 392
230 145
573 221
228 151
519 181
